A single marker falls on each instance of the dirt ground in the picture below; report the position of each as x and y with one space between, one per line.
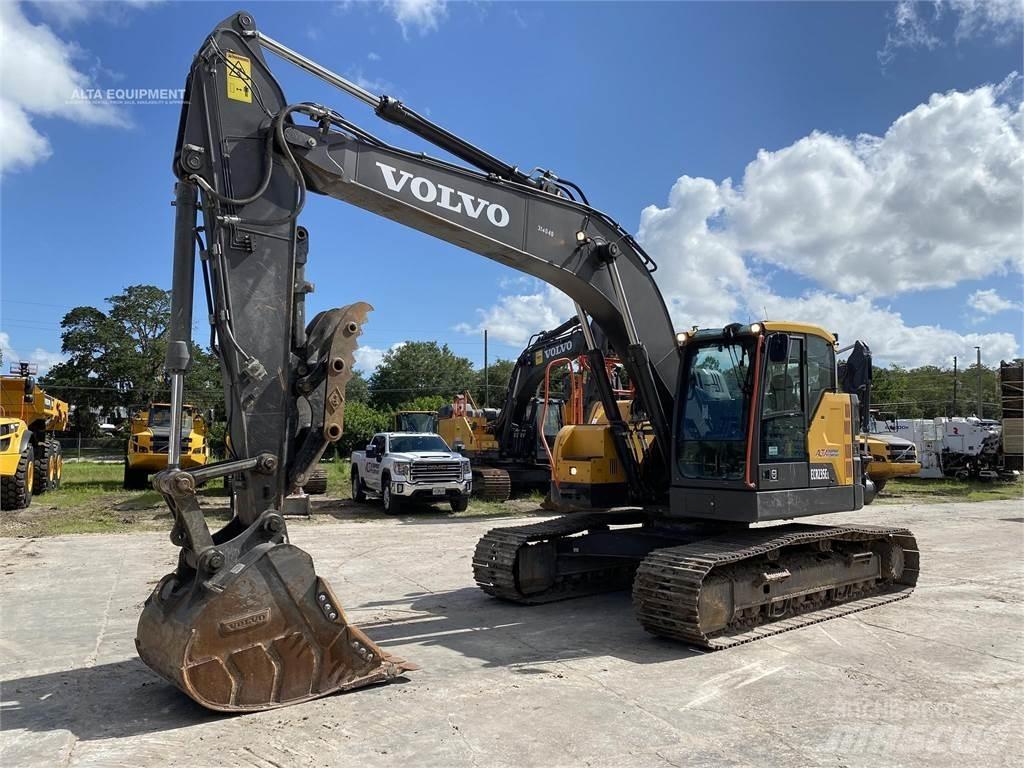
934 680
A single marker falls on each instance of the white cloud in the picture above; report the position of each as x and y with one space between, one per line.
989 302
371 84
515 318
934 201
421 16
44 359
914 23
368 358
891 338
373 56
1000 18
39 79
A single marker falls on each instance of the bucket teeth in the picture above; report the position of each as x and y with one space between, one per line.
273 635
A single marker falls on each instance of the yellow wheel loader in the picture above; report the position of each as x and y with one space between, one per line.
742 425
31 460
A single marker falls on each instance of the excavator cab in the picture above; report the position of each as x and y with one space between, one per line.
762 433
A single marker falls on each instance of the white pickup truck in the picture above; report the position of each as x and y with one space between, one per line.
403 467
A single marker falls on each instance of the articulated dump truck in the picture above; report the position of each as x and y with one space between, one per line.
31 462
740 425
149 443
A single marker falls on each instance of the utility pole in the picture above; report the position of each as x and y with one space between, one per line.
979 384
954 386
486 374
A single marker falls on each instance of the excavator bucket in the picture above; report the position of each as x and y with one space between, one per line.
274 634
244 623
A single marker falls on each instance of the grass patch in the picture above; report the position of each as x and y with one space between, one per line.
902 490
91 500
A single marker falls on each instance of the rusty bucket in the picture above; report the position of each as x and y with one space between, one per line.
265 633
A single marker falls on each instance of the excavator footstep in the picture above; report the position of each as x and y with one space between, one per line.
268 634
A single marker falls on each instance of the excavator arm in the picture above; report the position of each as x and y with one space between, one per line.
567 340
244 622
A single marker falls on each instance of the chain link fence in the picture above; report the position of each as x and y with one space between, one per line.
107 449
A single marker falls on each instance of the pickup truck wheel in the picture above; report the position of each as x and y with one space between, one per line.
392 504
358 492
459 503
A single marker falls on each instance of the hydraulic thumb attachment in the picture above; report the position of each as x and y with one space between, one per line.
244 622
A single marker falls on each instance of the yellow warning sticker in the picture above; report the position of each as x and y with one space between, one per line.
538 357
239 77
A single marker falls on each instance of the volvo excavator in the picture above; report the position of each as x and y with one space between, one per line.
505 446
737 434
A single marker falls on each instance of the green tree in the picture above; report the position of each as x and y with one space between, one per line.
361 423
419 368
424 403
358 389
498 374
116 358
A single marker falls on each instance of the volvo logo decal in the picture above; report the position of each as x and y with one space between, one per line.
454 200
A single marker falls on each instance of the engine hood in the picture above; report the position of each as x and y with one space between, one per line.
890 439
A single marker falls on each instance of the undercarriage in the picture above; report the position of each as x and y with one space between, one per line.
708 585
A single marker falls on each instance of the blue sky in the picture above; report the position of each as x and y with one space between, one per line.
909 239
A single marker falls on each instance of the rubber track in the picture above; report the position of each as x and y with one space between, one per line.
494 559
666 590
491 484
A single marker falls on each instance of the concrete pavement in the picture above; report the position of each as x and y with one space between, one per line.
930 681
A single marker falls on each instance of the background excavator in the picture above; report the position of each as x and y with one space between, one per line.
735 434
505 446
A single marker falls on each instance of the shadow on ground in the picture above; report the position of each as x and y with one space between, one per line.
507 634
125 698
419 514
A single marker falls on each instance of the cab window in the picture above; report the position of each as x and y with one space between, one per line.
712 433
821 370
783 424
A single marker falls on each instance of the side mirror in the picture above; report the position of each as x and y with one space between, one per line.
371 451
778 348
458 446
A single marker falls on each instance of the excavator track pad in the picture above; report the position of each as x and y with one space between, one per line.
268 633
730 590
491 484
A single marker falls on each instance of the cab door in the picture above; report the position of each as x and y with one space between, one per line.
373 466
783 460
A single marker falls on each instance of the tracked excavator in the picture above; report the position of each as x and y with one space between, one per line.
737 437
505 446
